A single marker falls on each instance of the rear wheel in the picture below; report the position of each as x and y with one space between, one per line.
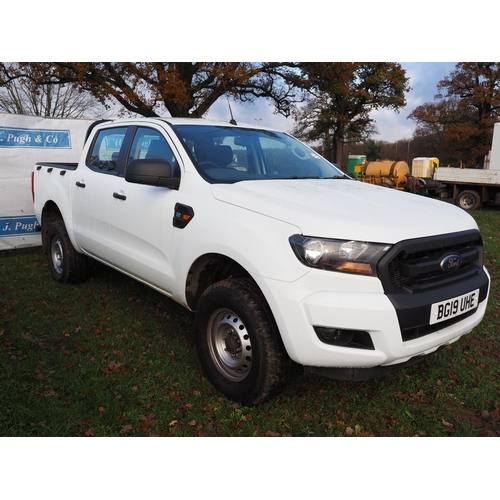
238 342
65 263
468 200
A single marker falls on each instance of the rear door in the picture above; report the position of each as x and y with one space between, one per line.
95 183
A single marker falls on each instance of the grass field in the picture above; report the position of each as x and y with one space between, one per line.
111 357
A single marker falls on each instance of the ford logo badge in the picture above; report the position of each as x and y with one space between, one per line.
451 262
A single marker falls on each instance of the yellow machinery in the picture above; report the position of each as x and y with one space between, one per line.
423 167
388 173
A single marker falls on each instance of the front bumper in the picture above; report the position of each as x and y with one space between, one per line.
361 374
355 303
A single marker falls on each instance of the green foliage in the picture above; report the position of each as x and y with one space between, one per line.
341 97
111 357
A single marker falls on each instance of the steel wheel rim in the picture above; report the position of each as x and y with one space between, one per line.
57 255
229 345
467 201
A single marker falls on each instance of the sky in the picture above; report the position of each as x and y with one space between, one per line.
391 126
267 31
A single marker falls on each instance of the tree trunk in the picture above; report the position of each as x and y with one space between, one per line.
338 150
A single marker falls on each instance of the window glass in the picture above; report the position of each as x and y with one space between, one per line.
150 144
232 154
104 154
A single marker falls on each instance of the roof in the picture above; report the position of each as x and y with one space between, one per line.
188 121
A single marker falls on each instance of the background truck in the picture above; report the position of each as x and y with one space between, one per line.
469 187
281 256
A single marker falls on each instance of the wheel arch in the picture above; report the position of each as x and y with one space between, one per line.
208 269
50 213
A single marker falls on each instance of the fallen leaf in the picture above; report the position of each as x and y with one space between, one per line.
126 429
447 425
495 414
490 433
273 434
485 415
349 431
148 418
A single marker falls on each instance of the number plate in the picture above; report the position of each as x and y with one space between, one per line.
447 309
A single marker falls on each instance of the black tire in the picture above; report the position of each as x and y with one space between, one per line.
65 263
238 342
468 200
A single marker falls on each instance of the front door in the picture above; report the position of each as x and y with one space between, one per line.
140 217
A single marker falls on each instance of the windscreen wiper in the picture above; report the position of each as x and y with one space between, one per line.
304 177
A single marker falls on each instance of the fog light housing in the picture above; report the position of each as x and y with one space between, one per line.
356 339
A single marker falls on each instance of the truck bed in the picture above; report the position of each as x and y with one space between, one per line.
467 176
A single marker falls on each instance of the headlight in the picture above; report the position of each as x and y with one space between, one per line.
358 257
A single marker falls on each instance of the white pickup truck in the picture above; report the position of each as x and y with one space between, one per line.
280 255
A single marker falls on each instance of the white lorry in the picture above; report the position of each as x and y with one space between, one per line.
280 255
470 188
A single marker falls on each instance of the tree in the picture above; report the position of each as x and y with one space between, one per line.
468 104
22 97
372 150
185 89
341 97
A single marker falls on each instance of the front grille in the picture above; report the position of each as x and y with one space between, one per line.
414 265
413 280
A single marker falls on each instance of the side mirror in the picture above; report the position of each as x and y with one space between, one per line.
151 172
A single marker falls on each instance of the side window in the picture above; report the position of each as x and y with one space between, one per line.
104 154
150 144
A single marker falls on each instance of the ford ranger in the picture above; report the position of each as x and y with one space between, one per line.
282 257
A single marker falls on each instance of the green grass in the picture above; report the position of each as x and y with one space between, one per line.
111 357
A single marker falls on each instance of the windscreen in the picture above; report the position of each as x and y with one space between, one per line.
231 154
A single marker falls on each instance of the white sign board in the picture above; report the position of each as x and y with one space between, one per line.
25 140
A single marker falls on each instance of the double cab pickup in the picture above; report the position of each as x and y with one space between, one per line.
281 256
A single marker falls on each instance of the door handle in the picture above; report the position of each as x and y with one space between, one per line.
119 196
80 184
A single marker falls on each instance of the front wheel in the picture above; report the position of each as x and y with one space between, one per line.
238 342
65 263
